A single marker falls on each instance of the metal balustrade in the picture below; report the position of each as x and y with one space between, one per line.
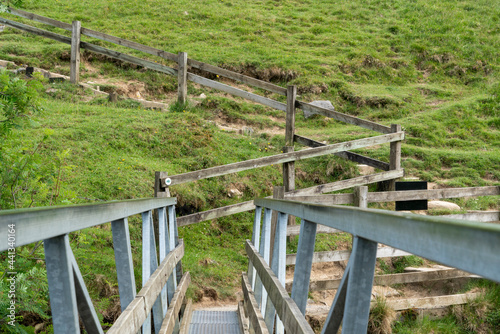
69 299
466 245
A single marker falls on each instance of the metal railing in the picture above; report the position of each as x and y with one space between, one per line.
470 246
161 295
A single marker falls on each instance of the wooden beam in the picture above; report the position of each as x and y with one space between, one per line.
431 302
129 59
254 314
282 158
186 318
174 308
391 196
39 18
182 78
335 256
36 31
360 159
344 117
215 213
486 216
236 92
387 280
295 230
242 319
286 308
236 76
131 320
75 52
345 184
295 195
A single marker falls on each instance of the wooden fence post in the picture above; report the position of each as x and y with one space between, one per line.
75 52
182 78
289 167
161 191
395 158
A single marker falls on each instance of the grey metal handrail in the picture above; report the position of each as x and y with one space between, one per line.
69 298
467 245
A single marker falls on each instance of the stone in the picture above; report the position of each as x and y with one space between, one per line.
323 104
366 170
202 96
384 291
442 205
233 192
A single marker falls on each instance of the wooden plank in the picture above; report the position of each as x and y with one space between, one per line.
391 196
336 199
215 213
254 314
295 230
486 216
130 320
345 184
174 308
186 318
282 158
286 308
361 159
130 59
344 117
431 302
129 44
39 18
387 280
236 92
242 319
36 31
335 256
148 294
236 76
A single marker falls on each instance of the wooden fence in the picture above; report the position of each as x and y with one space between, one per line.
392 134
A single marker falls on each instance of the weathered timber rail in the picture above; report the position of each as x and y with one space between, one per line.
468 246
161 297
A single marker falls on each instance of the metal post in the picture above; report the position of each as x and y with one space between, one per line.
172 280
75 52
164 244
289 167
124 262
61 285
84 303
303 265
278 266
255 241
264 249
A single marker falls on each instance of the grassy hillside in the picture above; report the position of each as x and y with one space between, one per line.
431 67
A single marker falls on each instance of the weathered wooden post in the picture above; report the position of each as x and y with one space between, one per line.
395 158
75 52
289 167
182 78
160 190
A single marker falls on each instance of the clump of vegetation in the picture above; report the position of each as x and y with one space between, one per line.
381 317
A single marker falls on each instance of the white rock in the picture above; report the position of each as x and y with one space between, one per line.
233 192
442 205
366 170
202 96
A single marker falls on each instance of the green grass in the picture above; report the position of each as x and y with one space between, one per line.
431 67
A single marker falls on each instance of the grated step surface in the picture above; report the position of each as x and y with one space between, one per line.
214 322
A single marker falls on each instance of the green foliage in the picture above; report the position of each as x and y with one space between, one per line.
19 99
31 296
